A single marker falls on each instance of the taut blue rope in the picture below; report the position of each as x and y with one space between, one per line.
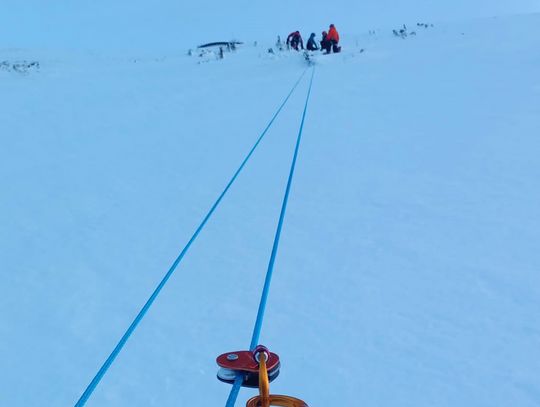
99 375
233 395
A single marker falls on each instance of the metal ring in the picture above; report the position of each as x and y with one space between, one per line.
261 349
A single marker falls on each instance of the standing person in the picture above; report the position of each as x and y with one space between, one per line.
312 44
333 39
294 40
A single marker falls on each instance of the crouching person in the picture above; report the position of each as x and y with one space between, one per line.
331 40
294 40
312 44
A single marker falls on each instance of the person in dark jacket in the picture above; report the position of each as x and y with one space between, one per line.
294 40
312 44
324 41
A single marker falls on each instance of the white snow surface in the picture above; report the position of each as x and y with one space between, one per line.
408 271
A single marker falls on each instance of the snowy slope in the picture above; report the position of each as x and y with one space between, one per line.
408 269
156 27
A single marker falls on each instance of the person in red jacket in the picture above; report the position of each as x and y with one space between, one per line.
332 40
294 40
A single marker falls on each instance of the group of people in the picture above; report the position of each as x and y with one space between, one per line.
329 42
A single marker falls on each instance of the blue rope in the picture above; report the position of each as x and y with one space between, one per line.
99 375
264 297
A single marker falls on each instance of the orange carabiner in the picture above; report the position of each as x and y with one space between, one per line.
265 399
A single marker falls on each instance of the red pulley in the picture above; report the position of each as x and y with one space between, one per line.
246 363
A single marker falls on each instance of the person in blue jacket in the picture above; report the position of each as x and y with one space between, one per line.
312 44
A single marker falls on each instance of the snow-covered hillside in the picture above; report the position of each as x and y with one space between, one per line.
144 25
408 272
